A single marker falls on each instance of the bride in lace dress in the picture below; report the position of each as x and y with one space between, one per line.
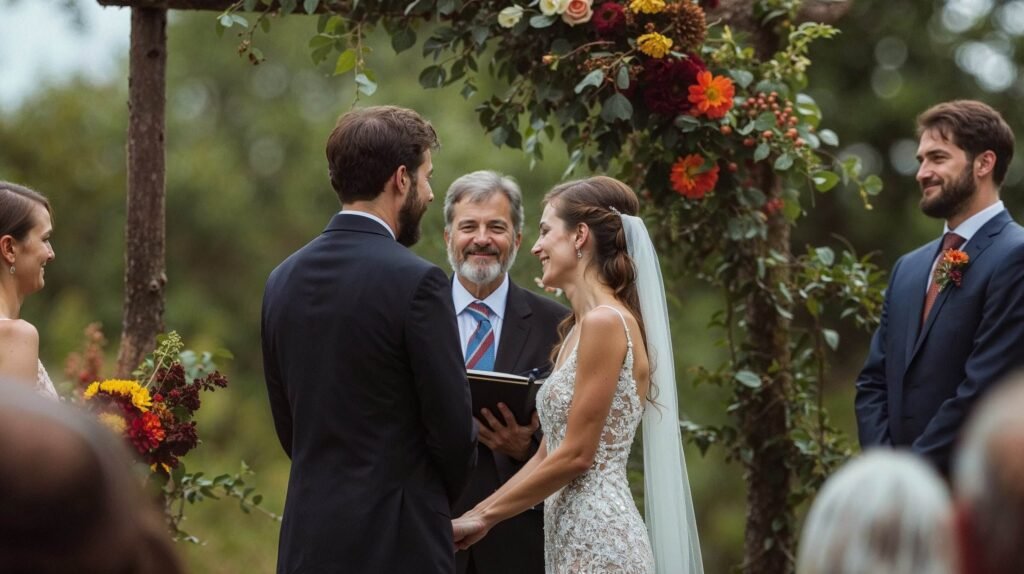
25 228
593 402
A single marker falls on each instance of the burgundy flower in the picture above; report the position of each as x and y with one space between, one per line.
609 19
666 84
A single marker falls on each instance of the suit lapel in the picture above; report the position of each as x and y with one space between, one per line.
975 247
515 330
919 268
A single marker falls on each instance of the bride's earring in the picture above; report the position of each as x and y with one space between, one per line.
12 269
579 255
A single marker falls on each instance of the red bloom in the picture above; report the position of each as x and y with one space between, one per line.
609 19
146 432
666 84
690 178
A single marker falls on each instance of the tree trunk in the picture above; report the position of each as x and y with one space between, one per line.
144 276
764 423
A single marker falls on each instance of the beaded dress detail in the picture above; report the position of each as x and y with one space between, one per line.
591 525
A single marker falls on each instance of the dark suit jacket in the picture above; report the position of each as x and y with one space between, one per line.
369 395
919 383
529 331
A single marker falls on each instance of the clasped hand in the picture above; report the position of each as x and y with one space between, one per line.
468 529
507 436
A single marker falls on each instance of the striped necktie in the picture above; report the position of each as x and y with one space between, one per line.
480 349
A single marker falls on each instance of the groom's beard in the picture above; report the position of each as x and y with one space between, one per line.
478 274
409 217
952 198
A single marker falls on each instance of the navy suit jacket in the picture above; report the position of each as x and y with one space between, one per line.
369 396
920 382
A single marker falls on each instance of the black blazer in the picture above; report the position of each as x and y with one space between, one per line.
919 383
369 396
529 331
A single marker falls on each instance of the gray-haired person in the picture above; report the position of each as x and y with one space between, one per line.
502 327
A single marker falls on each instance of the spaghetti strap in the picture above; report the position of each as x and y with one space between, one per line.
621 316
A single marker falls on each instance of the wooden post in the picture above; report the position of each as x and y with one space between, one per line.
144 275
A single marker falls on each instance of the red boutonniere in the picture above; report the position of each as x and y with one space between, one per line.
950 269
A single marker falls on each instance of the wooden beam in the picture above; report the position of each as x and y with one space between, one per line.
212 5
144 274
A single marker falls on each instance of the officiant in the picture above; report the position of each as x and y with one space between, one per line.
504 328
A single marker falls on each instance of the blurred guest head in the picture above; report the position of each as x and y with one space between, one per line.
381 155
483 224
884 512
989 483
26 222
69 502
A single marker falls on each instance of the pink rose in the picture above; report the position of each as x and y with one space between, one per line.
577 12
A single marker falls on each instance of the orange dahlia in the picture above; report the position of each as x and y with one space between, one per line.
691 179
146 432
712 95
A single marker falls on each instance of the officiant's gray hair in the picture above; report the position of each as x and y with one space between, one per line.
479 186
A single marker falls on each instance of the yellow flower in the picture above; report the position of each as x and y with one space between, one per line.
131 389
654 44
647 6
114 422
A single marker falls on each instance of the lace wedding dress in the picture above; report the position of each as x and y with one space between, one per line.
591 525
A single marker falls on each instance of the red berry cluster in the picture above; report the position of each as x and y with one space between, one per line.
785 119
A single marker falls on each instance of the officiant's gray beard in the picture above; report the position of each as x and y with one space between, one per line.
481 274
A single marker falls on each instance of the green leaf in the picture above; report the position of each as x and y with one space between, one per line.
594 78
741 77
825 180
622 80
445 7
366 84
411 6
403 39
310 5
542 21
748 378
829 137
825 255
499 136
762 151
346 61
765 121
432 77
287 7
873 185
831 338
687 124
616 107
249 5
480 35
783 162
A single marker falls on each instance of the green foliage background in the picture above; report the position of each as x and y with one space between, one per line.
247 186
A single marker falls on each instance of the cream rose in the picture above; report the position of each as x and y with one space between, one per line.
553 7
510 16
578 12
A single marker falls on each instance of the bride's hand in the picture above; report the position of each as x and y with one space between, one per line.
468 529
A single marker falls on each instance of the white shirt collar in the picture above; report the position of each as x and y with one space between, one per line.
972 224
369 216
495 301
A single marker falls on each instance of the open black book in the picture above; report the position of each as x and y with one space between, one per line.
519 393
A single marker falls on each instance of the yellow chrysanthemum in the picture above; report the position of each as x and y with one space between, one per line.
654 44
647 6
132 389
114 422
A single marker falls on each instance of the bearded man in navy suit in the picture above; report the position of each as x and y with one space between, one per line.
364 369
951 326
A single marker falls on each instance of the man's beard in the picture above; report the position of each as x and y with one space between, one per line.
480 274
952 198
409 218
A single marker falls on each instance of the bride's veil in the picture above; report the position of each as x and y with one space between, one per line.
668 504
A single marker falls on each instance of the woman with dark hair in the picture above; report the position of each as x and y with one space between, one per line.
598 252
25 227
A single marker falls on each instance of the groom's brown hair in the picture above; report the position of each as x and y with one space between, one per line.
973 127
369 144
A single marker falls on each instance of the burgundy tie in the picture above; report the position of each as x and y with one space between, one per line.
949 241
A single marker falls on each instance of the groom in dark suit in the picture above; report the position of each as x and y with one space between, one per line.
363 367
951 326
504 328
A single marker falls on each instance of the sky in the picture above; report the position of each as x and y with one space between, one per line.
41 45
